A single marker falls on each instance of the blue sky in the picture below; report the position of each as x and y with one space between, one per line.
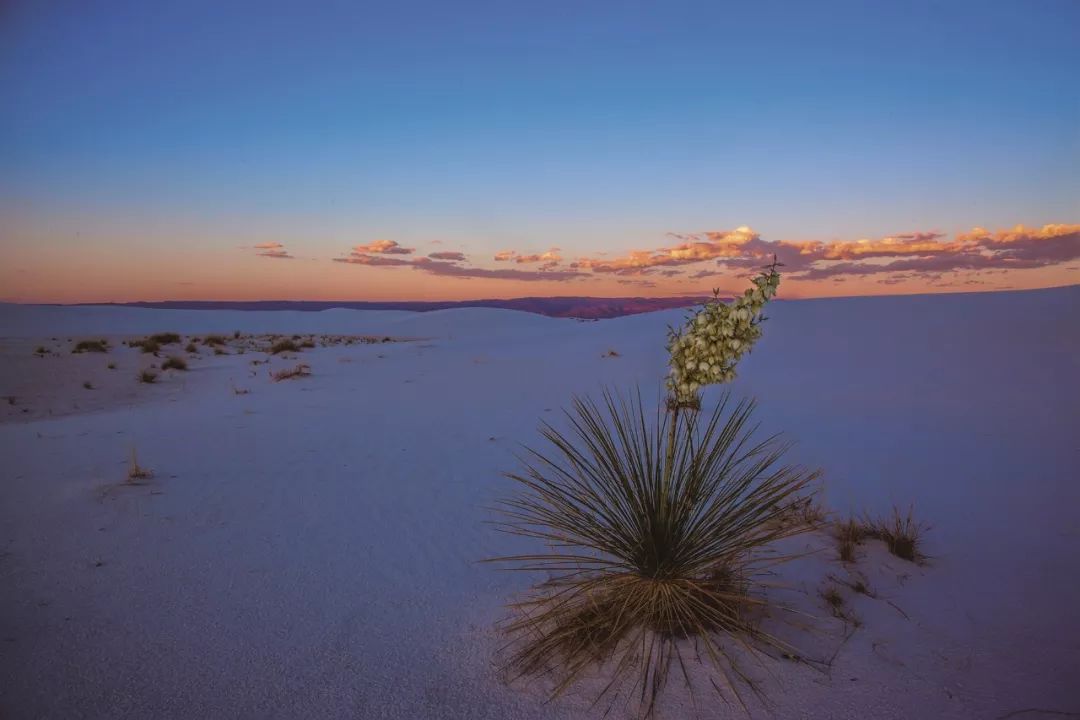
597 127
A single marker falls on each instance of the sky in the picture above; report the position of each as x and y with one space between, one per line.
435 150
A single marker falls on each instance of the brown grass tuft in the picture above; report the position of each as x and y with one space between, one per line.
84 346
135 471
902 535
286 345
148 376
174 363
300 370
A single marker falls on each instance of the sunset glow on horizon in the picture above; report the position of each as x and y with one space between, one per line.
437 152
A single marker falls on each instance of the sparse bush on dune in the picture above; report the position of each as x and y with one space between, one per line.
147 345
655 525
902 534
147 376
41 351
165 338
286 345
300 370
214 340
174 363
191 348
85 346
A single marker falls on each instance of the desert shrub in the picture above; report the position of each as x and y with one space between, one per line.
214 340
85 346
147 345
849 535
88 385
219 351
309 343
135 471
147 376
174 363
902 534
41 351
191 348
165 338
300 370
236 335
286 345
111 366
655 533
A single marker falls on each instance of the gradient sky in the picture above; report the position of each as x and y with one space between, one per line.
148 148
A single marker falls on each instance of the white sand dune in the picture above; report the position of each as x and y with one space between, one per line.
310 549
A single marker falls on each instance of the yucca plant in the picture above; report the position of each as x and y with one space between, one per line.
652 549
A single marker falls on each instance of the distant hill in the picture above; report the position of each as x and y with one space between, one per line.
570 307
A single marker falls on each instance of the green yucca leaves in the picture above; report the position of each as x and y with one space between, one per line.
653 533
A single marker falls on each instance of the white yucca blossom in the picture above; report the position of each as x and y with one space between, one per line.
707 349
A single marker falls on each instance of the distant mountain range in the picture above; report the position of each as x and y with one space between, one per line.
571 307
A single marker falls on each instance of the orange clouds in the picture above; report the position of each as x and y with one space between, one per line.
906 258
383 247
551 258
919 252
272 250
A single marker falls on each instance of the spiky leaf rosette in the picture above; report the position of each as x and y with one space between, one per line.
647 550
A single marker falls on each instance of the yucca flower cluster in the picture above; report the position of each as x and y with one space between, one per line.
714 339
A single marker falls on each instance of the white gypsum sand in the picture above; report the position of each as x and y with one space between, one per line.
309 548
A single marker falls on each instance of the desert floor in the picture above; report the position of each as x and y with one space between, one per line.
310 548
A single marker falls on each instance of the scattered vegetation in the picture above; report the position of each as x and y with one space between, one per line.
286 345
849 535
309 343
902 534
111 366
236 335
214 340
88 385
85 346
220 351
41 351
191 348
165 338
174 363
147 345
148 376
300 370
611 353
135 471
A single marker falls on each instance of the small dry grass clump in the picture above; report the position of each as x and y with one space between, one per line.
191 348
165 338
147 345
309 343
300 370
849 535
651 555
85 346
214 340
902 534
148 377
41 351
135 471
286 345
174 363
88 385
111 366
